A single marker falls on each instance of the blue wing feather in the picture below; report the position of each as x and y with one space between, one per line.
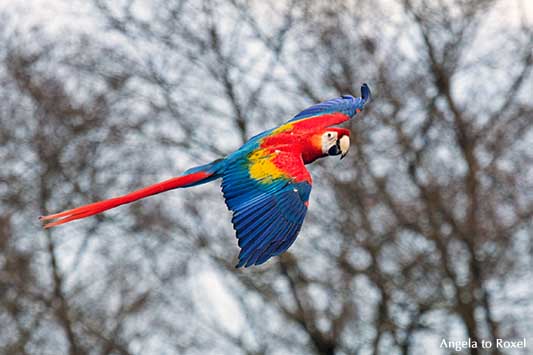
345 104
266 216
265 233
287 242
249 231
267 253
262 236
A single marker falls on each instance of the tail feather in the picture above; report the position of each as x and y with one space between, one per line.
186 180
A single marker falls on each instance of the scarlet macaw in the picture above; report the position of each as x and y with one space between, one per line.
265 182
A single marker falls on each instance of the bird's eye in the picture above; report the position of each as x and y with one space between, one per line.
330 134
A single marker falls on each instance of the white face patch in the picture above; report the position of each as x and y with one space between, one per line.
329 139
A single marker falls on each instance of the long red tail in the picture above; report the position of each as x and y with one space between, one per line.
101 206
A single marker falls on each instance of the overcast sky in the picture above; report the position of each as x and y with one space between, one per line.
59 15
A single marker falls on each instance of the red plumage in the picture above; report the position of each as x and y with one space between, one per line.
265 182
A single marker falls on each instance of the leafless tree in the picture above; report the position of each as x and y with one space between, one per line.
423 233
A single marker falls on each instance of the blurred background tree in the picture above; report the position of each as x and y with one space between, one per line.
424 232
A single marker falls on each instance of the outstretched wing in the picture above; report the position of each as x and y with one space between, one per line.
325 114
334 111
268 192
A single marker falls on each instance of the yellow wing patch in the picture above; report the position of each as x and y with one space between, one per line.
283 128
262 168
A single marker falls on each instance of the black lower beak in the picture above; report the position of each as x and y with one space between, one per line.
334 150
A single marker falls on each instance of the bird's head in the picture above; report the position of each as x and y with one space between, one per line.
335 141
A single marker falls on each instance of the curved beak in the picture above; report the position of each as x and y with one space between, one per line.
344 145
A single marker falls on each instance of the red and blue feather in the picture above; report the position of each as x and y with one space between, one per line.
265 182
267 186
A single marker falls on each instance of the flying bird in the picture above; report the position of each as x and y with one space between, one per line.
264 182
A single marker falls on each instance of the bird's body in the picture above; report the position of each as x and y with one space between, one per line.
265 182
